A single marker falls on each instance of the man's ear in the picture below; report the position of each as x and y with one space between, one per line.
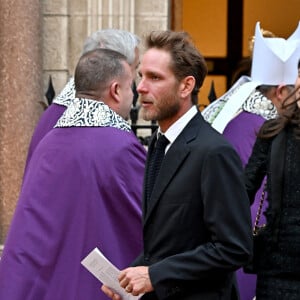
115 91
282 91
279 90
186 86
280 94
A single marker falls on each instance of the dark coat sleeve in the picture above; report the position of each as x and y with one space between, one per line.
256 168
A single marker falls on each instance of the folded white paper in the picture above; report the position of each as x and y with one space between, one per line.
106 272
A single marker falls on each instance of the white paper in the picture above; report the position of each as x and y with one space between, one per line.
106 272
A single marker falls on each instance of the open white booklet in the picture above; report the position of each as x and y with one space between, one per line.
106 272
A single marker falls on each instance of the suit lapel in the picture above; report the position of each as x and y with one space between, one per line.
177 153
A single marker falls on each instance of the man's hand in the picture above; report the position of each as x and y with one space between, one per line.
136 280
109 293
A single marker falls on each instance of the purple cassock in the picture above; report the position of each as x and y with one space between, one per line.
51 116
82 190
241 132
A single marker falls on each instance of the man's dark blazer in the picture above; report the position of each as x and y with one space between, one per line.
196 225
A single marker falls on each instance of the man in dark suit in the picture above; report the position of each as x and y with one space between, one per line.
196 217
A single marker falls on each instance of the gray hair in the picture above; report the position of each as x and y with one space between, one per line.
118 40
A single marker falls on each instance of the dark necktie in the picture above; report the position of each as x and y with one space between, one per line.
156 159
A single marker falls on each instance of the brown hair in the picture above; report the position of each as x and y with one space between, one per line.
186 59
290 116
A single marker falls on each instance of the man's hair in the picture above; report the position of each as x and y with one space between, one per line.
115 39
96 68
265 88
186 58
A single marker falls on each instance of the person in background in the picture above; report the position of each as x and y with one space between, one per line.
240 76
115 39
195 235
276 154
211 112
244 65
82 190
272 79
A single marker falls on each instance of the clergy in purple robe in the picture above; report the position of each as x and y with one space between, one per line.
82 190
115 39
51 115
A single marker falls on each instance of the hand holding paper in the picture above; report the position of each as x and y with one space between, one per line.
106 272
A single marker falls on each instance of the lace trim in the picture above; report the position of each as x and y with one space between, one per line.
83 112
260 105
212 111
67 94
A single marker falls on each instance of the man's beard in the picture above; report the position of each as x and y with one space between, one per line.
165 110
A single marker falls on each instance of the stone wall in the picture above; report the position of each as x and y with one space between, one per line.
68 23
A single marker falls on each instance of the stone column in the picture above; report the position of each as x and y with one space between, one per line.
21 95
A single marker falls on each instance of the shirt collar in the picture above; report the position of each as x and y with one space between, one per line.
176 128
